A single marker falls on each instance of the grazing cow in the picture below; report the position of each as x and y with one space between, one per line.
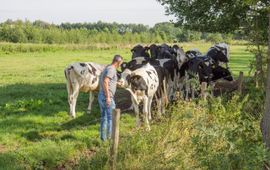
144 83
140 51
82 77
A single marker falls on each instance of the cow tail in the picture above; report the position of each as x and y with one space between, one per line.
67 75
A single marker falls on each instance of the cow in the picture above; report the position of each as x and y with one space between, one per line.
154 50
174 60
144 82
165 51
82 77
219 72
207 68
140 51
219 53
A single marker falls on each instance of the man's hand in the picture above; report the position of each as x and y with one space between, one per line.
108 101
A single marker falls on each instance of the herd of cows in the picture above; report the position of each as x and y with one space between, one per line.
154 76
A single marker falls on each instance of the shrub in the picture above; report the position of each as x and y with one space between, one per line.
219 134
214 38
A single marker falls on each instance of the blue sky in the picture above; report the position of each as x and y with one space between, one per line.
146 12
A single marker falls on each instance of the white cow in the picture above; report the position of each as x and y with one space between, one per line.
82 77
143 84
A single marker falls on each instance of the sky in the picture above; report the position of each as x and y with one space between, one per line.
148 12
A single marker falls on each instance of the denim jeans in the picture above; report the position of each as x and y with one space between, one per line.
106 117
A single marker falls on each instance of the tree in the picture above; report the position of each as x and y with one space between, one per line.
265 124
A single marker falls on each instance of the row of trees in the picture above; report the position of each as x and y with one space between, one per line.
41 32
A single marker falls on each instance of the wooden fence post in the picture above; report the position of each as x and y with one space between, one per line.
115 138
240 82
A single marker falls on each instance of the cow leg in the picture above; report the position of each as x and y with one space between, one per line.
73 100
149 107
192 91
145 113
137 112
159 107
91 99
187 84
164 92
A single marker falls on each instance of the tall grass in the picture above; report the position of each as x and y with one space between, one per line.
219 134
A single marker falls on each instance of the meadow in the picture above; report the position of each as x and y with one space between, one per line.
36 131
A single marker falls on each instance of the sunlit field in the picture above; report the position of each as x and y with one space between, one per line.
35 128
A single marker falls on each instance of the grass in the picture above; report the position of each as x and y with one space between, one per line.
35 129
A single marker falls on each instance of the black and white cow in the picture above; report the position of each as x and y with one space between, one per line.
170 59
219 72
140 51
144 82
219 53
154 50
207 68
82 77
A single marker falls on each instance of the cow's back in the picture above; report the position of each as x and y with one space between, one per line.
86 75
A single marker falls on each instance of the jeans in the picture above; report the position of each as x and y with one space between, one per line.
106 117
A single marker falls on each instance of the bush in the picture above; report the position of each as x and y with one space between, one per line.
214 38
219 134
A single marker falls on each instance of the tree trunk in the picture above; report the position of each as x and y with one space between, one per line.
259 69
259 63
265 124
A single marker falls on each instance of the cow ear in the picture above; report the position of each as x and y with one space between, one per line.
132 50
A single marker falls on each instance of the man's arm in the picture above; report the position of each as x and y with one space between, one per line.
106 90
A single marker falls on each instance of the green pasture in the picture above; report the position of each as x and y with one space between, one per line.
35 129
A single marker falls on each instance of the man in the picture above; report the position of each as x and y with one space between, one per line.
108 82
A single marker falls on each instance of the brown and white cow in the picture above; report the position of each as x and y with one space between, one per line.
82 77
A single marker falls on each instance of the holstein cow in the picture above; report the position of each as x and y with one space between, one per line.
82 77
154 49
171 59
206 67
143 83
140 51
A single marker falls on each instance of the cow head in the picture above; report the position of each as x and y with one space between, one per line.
127 68
154 49
219 53
164 51
140 51
221 73
181 57
124 79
